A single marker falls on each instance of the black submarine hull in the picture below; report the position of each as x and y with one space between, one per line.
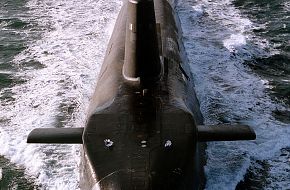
144 128
151 128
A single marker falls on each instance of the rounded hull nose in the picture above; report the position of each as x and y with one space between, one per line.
122 154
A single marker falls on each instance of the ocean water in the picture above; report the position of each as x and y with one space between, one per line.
51 52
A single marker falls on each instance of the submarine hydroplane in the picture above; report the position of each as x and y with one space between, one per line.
144 127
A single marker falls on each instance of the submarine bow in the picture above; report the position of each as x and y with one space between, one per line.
144 128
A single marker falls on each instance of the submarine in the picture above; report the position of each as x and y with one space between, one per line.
144 128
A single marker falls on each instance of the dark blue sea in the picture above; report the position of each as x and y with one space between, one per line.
51 52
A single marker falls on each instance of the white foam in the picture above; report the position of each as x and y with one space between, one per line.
217 42
287 6
71 48
234 41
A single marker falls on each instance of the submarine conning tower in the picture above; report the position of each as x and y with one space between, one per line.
142 64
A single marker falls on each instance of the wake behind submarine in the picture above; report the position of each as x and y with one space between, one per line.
144 127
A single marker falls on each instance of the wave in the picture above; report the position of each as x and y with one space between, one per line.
219 40
69 50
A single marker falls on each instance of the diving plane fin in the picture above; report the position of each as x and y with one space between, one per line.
205 133
56 135
225 132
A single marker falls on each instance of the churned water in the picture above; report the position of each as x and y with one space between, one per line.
239 53
51 52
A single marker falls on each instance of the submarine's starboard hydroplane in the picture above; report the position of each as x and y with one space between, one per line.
144 128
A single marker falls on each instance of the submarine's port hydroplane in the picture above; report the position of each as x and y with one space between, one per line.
144 127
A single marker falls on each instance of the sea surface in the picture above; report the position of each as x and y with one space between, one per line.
51 52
